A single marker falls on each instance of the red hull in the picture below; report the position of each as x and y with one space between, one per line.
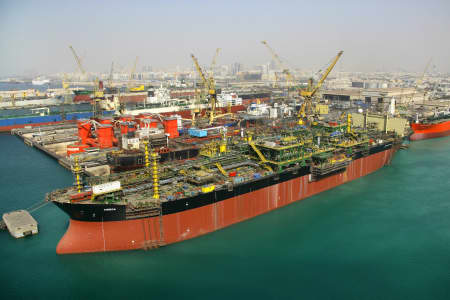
155 231
429 131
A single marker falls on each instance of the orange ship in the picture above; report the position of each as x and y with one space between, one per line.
424 131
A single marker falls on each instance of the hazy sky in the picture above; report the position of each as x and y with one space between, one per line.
375 35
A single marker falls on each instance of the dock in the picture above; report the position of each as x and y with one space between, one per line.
20 223
53 141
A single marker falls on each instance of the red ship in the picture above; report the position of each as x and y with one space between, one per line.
209 193
424 131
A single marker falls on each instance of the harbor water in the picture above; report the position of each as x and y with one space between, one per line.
384 236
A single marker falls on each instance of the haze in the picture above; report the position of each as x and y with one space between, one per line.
375 36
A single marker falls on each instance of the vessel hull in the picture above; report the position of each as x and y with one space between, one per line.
429 131
185 223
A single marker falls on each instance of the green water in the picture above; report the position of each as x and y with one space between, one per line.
384 236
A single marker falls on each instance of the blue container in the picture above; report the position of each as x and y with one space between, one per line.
197 132
256 175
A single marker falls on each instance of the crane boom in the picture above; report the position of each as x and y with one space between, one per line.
80 66
210 86
305 110
312 92
419 82
289 78
199 71
133 69
213 63
111 74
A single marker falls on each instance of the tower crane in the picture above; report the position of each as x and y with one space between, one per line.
289 77
310 91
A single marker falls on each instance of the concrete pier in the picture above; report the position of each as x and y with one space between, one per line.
20 223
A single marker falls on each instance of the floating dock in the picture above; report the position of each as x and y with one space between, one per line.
20 223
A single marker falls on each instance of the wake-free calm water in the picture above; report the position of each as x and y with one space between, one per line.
384 236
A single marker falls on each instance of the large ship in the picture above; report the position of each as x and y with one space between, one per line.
40 81
243 173
433 127
22 117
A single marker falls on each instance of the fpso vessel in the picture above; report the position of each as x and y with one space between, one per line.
232 179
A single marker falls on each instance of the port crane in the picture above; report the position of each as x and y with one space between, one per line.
213 63
131 87
210 85
308 93
276 58
78 60
110 78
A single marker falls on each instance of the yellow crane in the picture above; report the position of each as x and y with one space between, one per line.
135 88
78 60
213 63
419 82
310 91
110 78
210 85
289 77
65 82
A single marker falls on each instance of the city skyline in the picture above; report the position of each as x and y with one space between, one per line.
376 36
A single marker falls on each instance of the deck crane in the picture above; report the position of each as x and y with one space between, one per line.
78 60
310 91
289 77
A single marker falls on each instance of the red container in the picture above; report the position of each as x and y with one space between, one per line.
171 127
232 174
80 196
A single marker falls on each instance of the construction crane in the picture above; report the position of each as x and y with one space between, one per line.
131 87
213 63
419 82
289 77
110 78
78 60
310 91
210 86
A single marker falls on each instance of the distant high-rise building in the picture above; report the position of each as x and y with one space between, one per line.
236 68
147 68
